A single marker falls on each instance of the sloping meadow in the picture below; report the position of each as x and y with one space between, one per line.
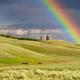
59 60
13 51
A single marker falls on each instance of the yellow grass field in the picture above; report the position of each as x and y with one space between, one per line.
60 60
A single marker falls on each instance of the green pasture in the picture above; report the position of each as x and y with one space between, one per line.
52 52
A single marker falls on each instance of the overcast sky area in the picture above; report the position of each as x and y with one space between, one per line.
27 18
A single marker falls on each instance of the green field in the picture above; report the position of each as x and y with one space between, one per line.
55 55
13 51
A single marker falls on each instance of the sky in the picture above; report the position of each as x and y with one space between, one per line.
28 18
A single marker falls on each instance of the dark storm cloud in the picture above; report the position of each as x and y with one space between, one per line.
30 3
75 4
19 18
40 25
30 8
23 9
71 4
14 18
9 1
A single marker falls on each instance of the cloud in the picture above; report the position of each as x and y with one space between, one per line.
4 31
7 2
35 31
74 16
18 32
14 32
22 12
69 4
26 11
1 17
37 25
47 31
23 9
30 29
26 26
51 32
15 18
5 26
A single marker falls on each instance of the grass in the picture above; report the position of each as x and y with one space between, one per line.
60 60
38 73
14 51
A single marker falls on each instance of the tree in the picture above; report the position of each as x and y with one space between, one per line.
41 38
47 37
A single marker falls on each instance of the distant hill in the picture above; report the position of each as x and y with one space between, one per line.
13 51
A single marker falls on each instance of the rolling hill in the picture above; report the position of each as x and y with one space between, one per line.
13 51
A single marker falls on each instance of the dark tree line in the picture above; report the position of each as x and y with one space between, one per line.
24 38
19 38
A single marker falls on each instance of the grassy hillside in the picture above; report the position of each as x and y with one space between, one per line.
13 51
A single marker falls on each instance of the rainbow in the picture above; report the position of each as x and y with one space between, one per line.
65 21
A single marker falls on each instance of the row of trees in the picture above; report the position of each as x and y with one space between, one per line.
25 38
19 38
47 37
